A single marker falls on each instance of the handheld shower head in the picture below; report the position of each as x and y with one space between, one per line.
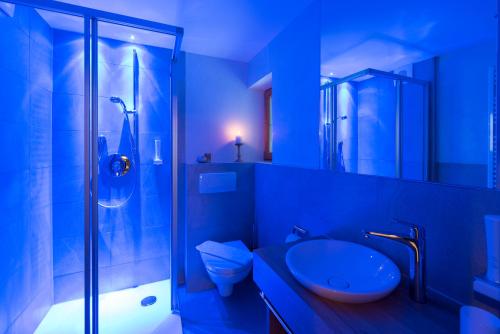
115 99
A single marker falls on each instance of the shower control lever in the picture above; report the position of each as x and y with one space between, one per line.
119 165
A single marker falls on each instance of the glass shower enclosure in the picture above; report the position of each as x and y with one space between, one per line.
89 225
376 123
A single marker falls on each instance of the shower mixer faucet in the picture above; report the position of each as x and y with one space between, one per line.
415 241
119 165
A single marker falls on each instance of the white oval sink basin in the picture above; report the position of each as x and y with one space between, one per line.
343 271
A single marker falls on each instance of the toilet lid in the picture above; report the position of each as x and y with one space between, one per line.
222 266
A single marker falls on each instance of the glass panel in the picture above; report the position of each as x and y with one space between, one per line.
359 125
41 198
347 140
366 126
134 179
325 126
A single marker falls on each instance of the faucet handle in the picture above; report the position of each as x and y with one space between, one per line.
402 222
416 231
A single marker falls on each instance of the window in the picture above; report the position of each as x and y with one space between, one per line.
268 125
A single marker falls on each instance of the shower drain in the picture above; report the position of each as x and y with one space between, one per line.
148 301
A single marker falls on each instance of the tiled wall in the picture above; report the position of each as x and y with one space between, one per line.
26 287
134 236
344 204
218 217
68 159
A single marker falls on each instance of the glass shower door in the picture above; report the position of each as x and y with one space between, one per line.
133 179
47 201
42 193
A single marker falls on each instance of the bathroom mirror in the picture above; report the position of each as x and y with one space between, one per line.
408 89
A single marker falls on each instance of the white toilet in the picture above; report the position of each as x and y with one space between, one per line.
226 263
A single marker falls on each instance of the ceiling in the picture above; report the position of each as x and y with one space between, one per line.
387 34
230 29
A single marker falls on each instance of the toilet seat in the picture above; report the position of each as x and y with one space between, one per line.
223 267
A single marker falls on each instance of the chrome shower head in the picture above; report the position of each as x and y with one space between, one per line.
115 99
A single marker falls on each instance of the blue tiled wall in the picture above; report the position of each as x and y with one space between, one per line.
344 204
68 181
26 289
134 237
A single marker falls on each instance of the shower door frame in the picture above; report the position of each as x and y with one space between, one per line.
332 97
91 18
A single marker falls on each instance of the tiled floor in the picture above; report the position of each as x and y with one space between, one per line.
206 312
120 313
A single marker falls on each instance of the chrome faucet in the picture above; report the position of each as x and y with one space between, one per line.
415 240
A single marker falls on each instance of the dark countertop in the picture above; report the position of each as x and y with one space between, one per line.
306 312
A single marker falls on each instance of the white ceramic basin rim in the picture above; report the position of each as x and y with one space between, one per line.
343 271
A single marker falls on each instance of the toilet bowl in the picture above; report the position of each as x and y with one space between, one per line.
226 268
